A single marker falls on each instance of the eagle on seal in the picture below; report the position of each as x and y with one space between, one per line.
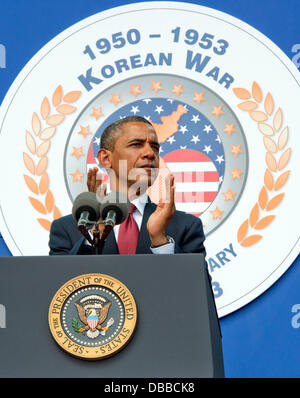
93 319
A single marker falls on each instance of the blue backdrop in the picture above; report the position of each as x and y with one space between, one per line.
262 338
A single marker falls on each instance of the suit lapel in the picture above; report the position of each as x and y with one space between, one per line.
143 246
110 245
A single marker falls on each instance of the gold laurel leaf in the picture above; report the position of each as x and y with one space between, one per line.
54 120
265 129
31 184
251 240
254 214
283 138
274 202
264 222
271 162
57 96
268 180
241 93
256 92
47 133
242 232
56 213
49 201
263 198
42 166
36 124
29 163
258 116
247 106
277 121
43 149
37 205
269 104
281 180
45 223
72 96
284 158
45 108
66 109
270 145
30 142
44 183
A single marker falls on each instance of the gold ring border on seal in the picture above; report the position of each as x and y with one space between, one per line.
91 353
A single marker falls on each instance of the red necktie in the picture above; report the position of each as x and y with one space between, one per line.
128 234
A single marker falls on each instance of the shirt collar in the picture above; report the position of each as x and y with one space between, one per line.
141 202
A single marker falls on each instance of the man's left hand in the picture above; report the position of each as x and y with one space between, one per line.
160 218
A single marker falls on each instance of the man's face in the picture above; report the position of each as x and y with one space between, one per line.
136 154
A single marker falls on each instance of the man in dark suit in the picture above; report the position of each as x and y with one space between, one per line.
150 228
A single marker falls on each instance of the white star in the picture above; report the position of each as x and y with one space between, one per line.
182 146
147 100
159 109
218 139
207 128
195 139
220 159
134 109
170 100
221 179
171 139
195 119
183 129
160 149
147 117
207 149
97 140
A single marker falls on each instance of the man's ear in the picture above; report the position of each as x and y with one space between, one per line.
104 158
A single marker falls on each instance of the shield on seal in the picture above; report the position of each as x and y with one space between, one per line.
92 319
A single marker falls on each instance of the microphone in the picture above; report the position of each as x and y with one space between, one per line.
85 211
114 209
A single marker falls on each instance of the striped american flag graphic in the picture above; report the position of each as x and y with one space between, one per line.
196 179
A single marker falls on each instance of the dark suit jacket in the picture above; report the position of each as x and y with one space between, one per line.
185 229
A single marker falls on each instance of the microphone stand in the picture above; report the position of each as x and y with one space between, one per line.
97 242
110 221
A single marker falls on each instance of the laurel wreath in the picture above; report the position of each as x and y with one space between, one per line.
275 138
38 145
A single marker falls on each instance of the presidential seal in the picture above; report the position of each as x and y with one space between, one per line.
92 316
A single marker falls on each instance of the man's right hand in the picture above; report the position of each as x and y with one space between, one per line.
92 182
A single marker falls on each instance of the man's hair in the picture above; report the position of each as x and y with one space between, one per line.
112 132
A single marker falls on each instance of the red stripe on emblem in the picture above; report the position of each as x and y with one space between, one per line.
196 176
195 196
186 155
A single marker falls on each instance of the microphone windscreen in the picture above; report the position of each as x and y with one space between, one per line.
86 201
118 202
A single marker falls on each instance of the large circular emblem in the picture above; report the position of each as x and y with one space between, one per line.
223 100
92 316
